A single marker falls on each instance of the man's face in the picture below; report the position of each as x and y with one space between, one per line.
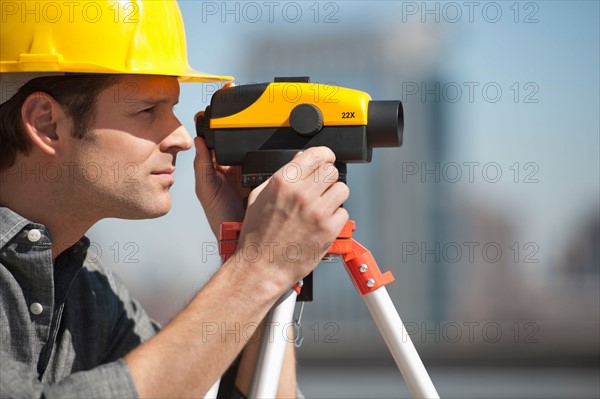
126 168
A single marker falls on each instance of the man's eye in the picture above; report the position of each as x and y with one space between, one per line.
148 110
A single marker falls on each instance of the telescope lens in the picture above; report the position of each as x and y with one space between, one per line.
385 124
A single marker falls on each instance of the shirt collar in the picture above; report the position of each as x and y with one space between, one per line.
11 224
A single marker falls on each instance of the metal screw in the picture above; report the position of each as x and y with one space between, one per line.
370 283
301 283
363 268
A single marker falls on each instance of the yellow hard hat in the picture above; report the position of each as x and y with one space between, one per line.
113 37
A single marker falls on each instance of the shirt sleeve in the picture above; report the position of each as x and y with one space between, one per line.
112 380
132 325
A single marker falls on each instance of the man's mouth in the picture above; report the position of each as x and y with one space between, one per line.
166 174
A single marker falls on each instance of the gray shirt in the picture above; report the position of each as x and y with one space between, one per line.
65 325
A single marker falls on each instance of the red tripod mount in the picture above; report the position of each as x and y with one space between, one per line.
358 260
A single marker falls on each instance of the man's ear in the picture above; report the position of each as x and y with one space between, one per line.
43 120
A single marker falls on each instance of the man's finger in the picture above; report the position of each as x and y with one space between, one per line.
202 152
256 191
335 196
304 165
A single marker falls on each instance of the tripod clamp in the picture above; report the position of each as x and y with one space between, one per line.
359 261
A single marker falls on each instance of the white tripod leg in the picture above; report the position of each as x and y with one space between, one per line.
213 391
392 329
270 359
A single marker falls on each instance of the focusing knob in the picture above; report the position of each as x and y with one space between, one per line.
306 120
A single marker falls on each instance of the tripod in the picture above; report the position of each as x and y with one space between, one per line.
370 282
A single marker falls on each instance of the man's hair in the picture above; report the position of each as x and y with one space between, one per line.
76 94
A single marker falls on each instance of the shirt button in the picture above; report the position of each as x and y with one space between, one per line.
34 235
36 308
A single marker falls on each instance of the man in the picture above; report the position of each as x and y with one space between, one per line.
69 328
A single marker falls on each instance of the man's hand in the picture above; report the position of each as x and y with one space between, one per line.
294 217
218 187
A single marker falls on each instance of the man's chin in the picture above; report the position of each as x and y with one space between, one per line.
158 212
149 211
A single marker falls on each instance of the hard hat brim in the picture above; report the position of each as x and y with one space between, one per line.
184 76
197 76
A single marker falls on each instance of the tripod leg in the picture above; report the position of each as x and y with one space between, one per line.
391 328
270 361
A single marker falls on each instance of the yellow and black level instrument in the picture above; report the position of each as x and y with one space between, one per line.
247 122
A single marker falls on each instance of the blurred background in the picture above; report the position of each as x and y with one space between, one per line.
488 215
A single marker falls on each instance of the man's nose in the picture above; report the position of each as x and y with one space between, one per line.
180 139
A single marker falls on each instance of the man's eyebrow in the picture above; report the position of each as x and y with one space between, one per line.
153 101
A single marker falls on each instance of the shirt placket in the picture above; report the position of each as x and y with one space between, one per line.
40 288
